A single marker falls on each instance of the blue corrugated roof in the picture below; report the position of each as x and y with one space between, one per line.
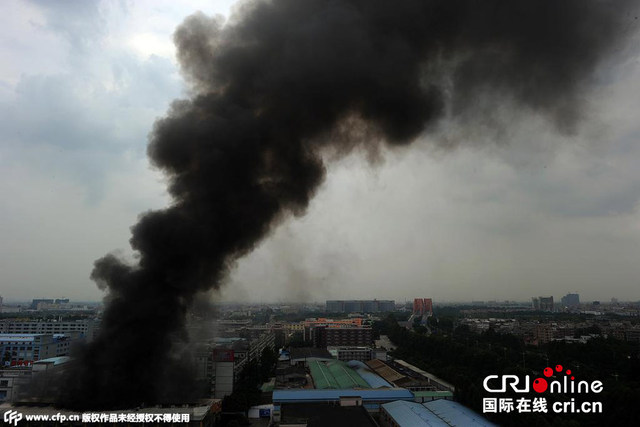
455 414
311 395
407 414
374 380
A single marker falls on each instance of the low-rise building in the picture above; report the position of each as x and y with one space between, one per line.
371 399
39 381
230 356
433 413
305 355
25 349
320 415
351 353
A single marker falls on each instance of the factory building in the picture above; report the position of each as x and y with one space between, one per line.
86 328
402 374
370 399
25 349
435 413
39 380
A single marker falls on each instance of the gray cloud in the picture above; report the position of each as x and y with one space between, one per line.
532 212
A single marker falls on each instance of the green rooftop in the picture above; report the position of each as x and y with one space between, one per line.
269 385
335 375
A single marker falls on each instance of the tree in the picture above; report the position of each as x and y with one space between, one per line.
297 340
268 360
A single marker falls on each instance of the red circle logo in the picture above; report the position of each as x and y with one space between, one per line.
540 385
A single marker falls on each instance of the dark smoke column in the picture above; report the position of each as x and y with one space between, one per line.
274 87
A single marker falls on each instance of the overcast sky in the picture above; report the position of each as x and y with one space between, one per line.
525 213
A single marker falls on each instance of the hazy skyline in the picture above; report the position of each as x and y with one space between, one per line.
532 213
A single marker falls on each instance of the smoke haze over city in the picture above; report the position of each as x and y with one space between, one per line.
535 211
285 86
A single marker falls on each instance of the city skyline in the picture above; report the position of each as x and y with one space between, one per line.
398 301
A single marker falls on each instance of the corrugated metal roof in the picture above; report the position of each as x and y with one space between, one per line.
269 385
322 378
375 363
425 374
335 374
455 414
345 376
312 395
373 379
407 414
384 370
435 413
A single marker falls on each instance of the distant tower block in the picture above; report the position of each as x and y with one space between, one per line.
422 306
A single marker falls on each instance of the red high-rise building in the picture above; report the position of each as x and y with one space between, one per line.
417 306
428 306
422 306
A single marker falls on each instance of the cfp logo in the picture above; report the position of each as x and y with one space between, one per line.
12 417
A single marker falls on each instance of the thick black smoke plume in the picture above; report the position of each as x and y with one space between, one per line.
275 86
